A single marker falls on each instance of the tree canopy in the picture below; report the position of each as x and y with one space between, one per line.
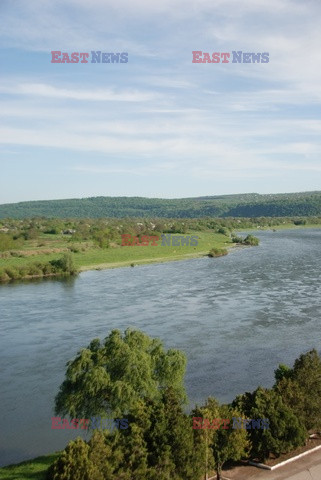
112 376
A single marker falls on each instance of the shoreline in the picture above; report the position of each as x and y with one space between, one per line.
144 261
165 259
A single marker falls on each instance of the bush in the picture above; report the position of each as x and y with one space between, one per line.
236 239
23 271
4 277
223 231
251 240
35 269
217 252
65 264
47 269
83 461
12 273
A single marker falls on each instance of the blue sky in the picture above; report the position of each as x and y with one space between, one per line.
159 125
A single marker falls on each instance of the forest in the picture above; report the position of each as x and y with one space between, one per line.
242 205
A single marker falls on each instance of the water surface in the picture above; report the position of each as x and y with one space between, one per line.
236 317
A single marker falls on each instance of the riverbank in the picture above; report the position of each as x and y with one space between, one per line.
87 256
30 470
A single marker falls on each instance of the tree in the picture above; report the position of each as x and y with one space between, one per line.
64 264
222 443
112 376
251 240
75 463
228 443
300 388
284 432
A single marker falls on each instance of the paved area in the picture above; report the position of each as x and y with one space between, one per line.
306 468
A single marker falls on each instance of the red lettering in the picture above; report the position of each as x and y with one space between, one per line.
216 422
75 57
65 424
136 241
84 422
74 424
154 239
55 423
197 423
54 57
196 58
65 58
226 422
125 240
206 424
145 240
224 55
84 56
216 57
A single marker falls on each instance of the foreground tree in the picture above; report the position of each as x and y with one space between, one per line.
218 442
284 432
230 443
83 461
113 376
300 388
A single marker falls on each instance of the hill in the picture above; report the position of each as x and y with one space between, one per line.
243 205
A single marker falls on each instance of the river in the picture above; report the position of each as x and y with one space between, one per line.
236 317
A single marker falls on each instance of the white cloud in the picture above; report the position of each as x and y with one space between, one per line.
100 95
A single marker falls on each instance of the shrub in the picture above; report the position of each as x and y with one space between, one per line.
4 277
83 461
236 239
223 231
65 264
217 252
23 271
251 240
12 273
35 269
47 269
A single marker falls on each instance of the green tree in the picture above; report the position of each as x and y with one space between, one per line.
251 240
64 264
300 388
74 463
284 432
113 375
218 444
228 443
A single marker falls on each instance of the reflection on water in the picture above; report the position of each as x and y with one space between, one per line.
236 317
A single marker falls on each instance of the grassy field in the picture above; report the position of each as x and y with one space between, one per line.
89 257
283 226
31 470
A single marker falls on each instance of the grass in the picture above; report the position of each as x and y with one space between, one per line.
30 470
93 257
282 226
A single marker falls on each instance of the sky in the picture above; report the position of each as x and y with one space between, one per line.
158 125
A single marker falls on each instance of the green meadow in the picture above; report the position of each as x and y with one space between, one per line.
31 470
87 256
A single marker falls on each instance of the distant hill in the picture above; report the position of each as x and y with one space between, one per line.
243 205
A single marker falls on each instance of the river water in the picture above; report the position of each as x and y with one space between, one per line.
236 317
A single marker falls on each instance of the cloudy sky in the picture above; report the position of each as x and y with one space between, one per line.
159 125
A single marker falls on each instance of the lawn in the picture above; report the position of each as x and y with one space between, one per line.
31 470
90 257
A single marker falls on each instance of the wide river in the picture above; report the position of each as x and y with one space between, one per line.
236 317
